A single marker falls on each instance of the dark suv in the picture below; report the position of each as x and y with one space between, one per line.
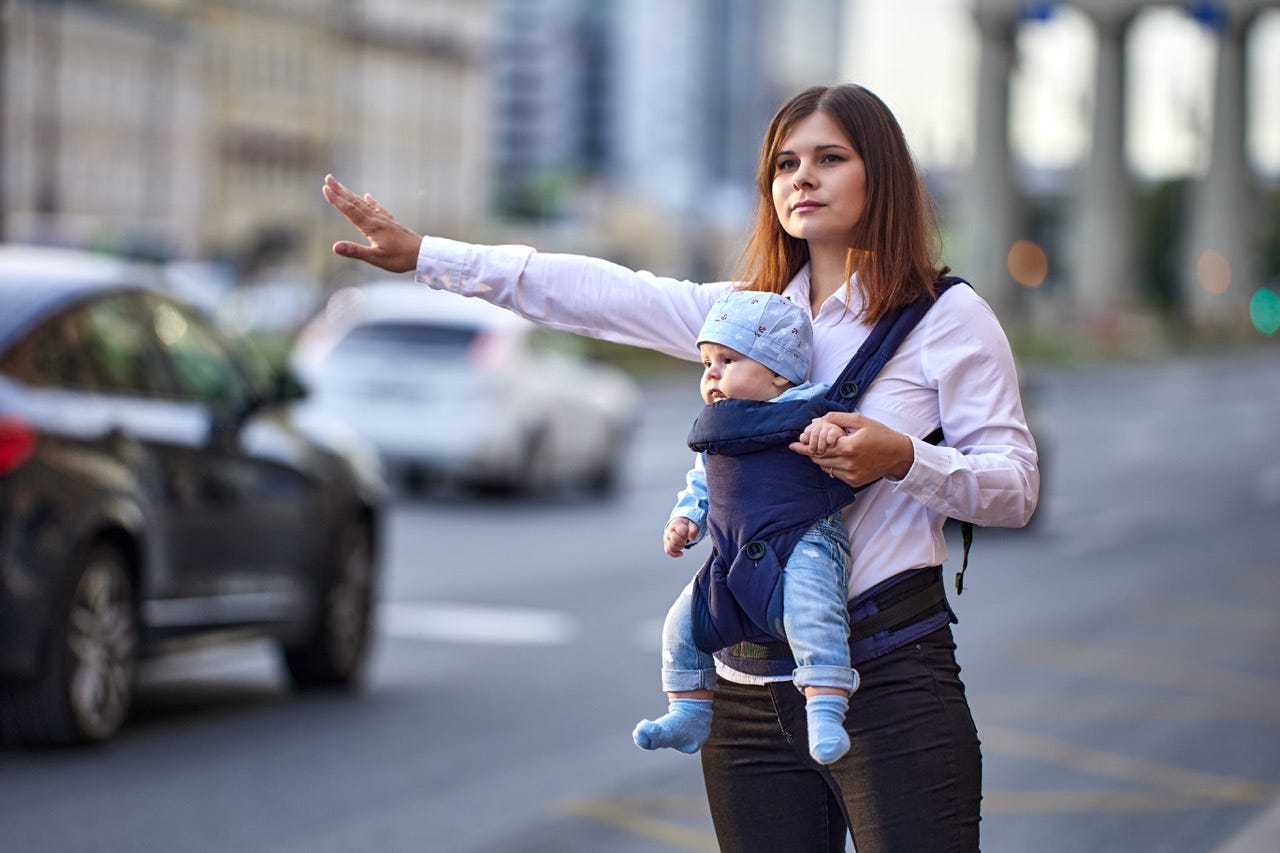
155 487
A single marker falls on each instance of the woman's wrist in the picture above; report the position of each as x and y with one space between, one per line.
905 456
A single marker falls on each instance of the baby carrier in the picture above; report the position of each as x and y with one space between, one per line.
738 591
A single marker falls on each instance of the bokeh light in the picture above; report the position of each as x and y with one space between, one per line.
1213 271
1264 311
1028 264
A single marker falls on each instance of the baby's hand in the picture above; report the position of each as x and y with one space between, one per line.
679 533
821 436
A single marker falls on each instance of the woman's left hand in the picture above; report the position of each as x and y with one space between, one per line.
868 451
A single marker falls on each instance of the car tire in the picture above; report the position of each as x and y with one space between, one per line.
603 481
333 653
85 687
535 476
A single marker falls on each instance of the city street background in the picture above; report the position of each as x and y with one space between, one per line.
1106 172
1120 657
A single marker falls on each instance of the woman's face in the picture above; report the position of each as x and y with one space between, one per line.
819 182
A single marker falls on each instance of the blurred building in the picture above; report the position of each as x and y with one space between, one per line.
102 112
627 128
1217 234
642 119
415 112
178 128
551 76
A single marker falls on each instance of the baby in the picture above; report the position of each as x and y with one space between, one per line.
757 346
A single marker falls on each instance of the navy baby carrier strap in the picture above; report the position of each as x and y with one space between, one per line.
737 593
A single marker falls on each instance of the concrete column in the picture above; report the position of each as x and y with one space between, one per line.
1103 256
987 208
1219 255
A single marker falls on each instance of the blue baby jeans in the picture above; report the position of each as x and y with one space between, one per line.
815 619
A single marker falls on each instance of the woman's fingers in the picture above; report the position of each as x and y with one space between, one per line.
391 245
341 198
859 450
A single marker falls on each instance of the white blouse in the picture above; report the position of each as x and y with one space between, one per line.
955 370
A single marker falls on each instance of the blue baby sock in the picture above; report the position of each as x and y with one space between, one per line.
685 727
827 738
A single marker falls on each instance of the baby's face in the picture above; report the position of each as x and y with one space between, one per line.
729 375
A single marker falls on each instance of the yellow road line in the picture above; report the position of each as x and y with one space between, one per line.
1235 619
1086 800
625 816
1148 709
1138 669
1189 783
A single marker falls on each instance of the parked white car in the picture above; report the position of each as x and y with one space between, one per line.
457 390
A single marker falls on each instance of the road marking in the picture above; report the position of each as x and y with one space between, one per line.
1008 708
466 623
1259 834
648 634
625 815
1139 669
1085 800
1110 765
1232 619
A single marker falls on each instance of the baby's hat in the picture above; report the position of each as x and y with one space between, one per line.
764 327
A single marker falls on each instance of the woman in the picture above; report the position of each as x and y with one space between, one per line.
844 228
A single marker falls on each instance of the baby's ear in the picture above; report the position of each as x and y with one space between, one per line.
782 382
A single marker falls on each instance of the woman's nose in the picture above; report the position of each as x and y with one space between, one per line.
802 178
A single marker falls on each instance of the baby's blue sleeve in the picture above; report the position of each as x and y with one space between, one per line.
691 503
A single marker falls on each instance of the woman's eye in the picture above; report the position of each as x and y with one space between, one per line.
833 158
786 165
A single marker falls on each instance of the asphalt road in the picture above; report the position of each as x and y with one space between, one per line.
1121 659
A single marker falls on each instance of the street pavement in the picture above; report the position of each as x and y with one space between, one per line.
1120 656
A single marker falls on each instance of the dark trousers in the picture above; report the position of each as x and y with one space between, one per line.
911 781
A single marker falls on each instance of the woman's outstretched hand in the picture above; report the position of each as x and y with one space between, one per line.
867 451
391 246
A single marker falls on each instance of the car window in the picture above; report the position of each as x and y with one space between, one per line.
408 336
202 365
120 348
51 356
381 338
255 365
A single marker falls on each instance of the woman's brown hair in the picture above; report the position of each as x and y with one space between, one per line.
895 244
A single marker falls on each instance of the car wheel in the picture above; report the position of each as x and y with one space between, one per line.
335 650
603 481
605 477
535 475
85 688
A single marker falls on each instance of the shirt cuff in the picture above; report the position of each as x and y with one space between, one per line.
927 474
442 263
468 269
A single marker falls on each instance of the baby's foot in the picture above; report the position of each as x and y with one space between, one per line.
828 740
685 727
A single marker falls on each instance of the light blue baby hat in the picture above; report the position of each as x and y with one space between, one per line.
765 327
